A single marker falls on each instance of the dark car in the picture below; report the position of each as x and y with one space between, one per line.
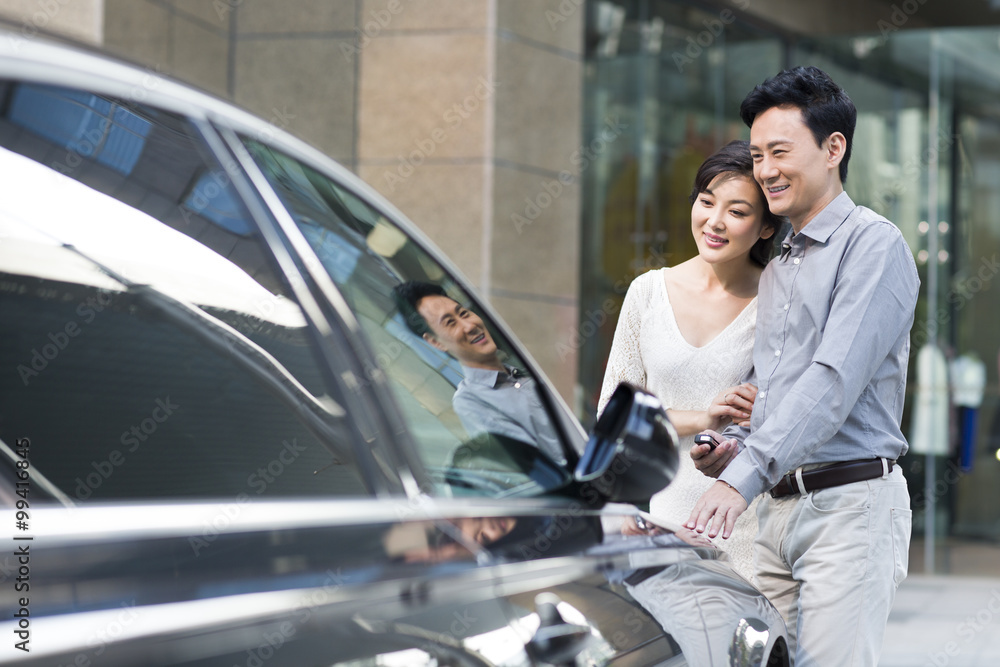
225 440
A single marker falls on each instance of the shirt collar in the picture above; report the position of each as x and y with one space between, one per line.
829 219
486 377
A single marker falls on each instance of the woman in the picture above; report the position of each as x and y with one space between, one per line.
686 333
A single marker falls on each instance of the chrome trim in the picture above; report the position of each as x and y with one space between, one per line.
753 644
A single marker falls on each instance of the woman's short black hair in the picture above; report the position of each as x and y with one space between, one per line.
825 107
734 159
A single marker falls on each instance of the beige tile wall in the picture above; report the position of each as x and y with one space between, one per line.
514 70
79 19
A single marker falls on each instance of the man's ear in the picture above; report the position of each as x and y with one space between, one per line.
434 341
836 147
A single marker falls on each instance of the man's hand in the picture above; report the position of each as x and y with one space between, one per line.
717 510
631 526
711 462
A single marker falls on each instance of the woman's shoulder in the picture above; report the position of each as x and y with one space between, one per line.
648 284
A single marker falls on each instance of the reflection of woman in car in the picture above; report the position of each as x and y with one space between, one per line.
494 398
686 333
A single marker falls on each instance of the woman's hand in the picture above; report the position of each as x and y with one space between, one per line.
732 405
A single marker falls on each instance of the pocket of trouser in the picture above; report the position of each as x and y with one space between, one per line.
901 522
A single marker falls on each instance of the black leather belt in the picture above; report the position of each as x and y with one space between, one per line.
643 574
836 474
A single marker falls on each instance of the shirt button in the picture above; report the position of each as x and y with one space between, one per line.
777 353
786 306
796 260
762 394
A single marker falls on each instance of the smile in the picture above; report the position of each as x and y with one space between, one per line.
712 239
777 189
479 339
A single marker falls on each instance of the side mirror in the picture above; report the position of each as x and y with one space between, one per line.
632 452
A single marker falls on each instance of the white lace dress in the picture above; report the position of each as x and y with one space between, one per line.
649 351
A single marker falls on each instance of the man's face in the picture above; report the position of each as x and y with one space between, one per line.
458 331
799 178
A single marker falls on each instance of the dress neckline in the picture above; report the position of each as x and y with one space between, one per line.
673 316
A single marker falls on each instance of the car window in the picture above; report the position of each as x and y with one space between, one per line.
149 348
476 414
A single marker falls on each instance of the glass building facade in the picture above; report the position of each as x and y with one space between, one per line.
926 155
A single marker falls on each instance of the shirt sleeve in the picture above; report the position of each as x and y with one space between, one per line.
871 307
734 430
625 360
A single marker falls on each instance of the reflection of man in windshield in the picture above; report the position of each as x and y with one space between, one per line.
494 397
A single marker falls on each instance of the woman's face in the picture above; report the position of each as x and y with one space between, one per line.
727 219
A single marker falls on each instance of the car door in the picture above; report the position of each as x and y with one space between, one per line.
494 474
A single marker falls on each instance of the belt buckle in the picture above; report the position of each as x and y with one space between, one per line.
786 478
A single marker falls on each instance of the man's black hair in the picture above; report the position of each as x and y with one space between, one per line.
734 159
407 295
825 107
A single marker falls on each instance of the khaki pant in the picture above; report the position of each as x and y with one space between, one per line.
830 561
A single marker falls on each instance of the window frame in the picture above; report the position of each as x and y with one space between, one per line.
568 428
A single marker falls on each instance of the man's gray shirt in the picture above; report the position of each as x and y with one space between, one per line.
506 404
834 313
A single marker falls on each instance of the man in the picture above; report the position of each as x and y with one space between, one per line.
832 342
494 397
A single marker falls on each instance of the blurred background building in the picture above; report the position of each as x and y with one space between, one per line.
548 146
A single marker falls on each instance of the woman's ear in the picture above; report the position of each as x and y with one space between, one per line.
767 232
